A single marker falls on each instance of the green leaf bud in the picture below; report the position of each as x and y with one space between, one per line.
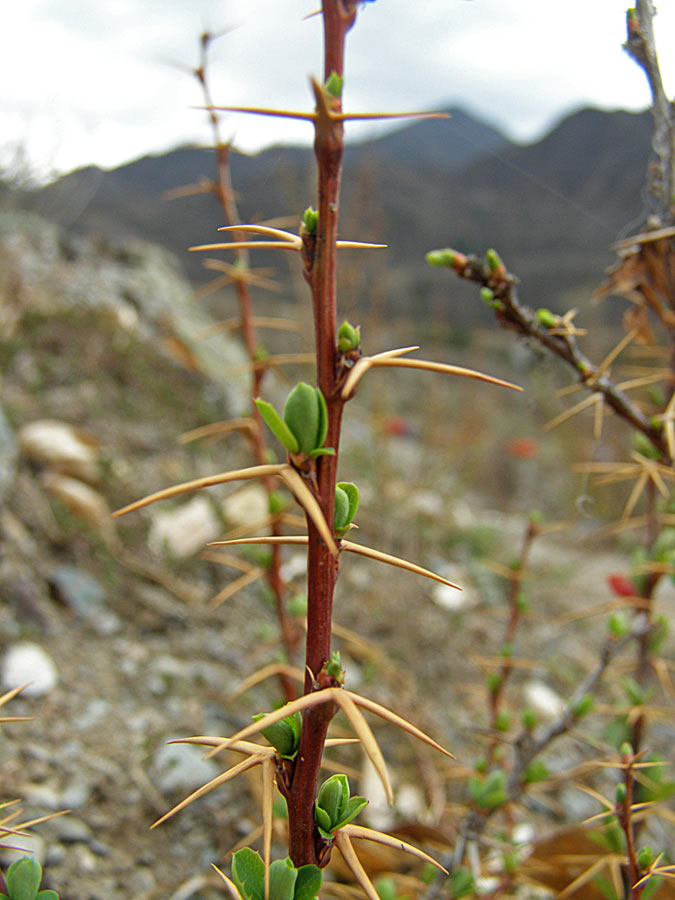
494 263
284 736
546 318
446 258
334 85
348 337
493 792
645 857
334 808
248 874
644 446
503 721
461 883
333 668
583 706
276 502
23 878
620 793
626 749
635 693
306 416
493 680
658 635
480 765
522 602
487 295
276 425
307 883
346 505
310 221
282 879
536 771
619 624
528 717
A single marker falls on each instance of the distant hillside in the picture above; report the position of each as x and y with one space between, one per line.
552 208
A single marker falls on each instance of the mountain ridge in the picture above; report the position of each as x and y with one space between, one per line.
555 204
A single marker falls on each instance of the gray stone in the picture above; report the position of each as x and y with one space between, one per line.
9 452
85 598
29 664
180 767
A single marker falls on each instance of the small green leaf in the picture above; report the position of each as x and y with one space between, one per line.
310 221
284 736
47 895
536 771
461 883
351 811
276 425
282 879
583 706
493 262
322 430
334 84
546 318
333 797
23 878
341 516
306 417
352 493
322 451
445 257
308 883
348 337
248 874
323 820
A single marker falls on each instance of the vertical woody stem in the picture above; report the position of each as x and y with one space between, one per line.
322 568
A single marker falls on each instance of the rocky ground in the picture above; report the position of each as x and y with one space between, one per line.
111 620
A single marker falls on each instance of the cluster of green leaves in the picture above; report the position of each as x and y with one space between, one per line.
304 425
285 881
284 736
22 880
334 807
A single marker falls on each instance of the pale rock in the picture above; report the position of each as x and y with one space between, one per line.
61 447
449 597
378 814
543 699
27 663
8 456
85 598
183 531
181 767
294 567
31 844
80 499
425 503
246 506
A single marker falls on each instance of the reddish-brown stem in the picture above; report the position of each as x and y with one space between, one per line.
223 190
510 632
320 259
626 821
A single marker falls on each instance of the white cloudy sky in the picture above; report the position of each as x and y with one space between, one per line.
100 81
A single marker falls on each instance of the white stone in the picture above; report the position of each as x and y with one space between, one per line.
62 447
81 499
294 567
246 506
28 663
449 597
185 530
543 699
180 767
